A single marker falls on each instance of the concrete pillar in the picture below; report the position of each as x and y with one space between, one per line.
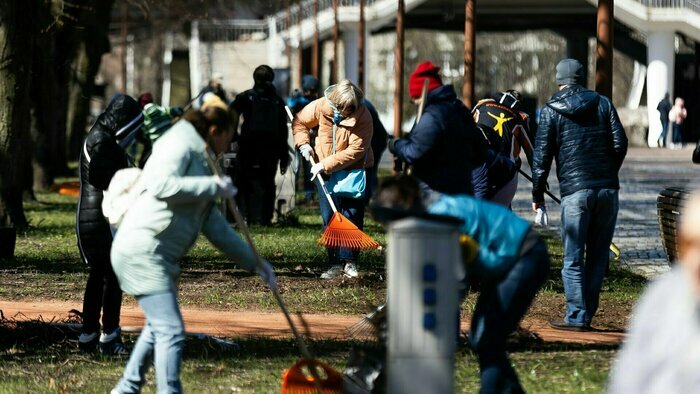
167 61
351 37
195 76
660 59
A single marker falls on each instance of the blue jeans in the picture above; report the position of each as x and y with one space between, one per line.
677 133
502 303
351 208
664 131
162 339
588 220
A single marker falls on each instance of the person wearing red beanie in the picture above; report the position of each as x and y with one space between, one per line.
426 70
445 146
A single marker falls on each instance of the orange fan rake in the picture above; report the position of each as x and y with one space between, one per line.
299 379
341 232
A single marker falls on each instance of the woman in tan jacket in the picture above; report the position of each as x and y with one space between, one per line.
340 113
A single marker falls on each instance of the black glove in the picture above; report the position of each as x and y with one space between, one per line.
176 111
398 165
390 140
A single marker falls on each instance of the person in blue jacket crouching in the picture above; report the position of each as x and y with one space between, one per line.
510 266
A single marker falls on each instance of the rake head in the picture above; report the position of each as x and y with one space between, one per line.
300 380
342 233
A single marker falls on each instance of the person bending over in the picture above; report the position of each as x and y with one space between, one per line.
510 266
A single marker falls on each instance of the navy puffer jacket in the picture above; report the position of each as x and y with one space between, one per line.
445 146
580 129
101 157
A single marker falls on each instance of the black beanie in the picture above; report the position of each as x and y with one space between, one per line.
263 74
569 72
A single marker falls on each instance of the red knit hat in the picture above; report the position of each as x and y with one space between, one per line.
424 70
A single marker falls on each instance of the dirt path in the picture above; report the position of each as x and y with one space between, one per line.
273 325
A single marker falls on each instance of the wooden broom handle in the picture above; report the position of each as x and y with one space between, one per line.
259 261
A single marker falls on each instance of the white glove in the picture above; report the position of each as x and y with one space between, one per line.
267 274
541 218
306 150
225 187
315 170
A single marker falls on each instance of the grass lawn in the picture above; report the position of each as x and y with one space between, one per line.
47 266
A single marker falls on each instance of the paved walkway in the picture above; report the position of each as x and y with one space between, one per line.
643 175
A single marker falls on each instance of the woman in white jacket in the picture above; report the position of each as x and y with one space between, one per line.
176 201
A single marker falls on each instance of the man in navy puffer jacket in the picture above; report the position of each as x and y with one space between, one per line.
580 129
445 146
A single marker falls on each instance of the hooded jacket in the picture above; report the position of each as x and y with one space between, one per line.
445 146
353 136
101 157
580 129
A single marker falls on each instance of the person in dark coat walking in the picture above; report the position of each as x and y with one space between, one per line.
581 130
102 155
664 108
262 145
445 146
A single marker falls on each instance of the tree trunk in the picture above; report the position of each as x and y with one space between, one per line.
17 31
94 43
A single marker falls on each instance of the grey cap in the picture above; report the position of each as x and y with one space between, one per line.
569 71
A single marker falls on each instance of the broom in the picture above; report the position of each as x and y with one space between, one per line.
340 232
303 377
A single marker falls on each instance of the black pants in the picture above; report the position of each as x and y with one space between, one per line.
500 306
102 294
256 191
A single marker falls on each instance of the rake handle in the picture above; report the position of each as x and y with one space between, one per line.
259 261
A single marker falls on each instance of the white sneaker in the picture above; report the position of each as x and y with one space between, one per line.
333 272
350 270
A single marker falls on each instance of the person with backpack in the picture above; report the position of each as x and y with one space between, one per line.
506 130
444 146
102 156
262 146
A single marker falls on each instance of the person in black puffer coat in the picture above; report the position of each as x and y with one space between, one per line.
445 146
581 130
102 155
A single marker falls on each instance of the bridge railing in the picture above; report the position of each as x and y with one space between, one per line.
693 5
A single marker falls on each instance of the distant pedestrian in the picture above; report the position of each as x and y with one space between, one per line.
343 143
102 156
214 86
444 146
581 130
664 108
262 146
379 138
310 88
661 352
677 116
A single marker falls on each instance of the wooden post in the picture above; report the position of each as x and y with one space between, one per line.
361 48
604 48
315 48
123 44
398 70
469 52
300 47
336 36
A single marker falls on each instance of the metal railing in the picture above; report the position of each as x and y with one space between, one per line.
693 5
307 11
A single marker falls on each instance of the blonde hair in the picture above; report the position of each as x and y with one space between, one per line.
345 95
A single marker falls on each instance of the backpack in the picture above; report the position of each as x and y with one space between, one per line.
262 121
497 123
